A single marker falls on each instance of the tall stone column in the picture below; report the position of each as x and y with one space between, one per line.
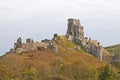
19 43
75 30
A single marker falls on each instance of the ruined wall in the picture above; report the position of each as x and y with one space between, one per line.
31 45
94 50
18 44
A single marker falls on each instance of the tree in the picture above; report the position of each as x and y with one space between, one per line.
29 74
55 35
107 74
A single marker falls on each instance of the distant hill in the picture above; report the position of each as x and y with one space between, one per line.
69 63
115 49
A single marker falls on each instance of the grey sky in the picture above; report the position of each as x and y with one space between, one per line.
40 19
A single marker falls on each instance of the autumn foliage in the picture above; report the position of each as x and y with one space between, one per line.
68 64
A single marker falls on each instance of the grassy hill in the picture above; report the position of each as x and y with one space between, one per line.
115 49
70 63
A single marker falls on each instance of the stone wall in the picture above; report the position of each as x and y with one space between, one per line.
94 50
31 45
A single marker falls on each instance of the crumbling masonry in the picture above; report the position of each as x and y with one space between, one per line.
75 33
31 45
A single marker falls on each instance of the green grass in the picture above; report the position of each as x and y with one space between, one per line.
114 48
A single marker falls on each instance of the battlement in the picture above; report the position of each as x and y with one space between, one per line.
73 21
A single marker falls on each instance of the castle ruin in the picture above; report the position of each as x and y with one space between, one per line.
75 33
31 45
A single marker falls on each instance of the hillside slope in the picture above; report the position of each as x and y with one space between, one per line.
71 62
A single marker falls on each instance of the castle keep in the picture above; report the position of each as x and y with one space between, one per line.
75 30
75 33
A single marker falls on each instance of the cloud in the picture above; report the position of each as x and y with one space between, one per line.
20 9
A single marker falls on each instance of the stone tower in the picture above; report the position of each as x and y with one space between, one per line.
75 30
75 33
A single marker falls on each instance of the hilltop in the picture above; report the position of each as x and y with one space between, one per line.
69 63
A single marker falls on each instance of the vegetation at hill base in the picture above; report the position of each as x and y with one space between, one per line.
108 74
71 62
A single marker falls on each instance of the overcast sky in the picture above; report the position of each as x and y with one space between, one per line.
40 19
